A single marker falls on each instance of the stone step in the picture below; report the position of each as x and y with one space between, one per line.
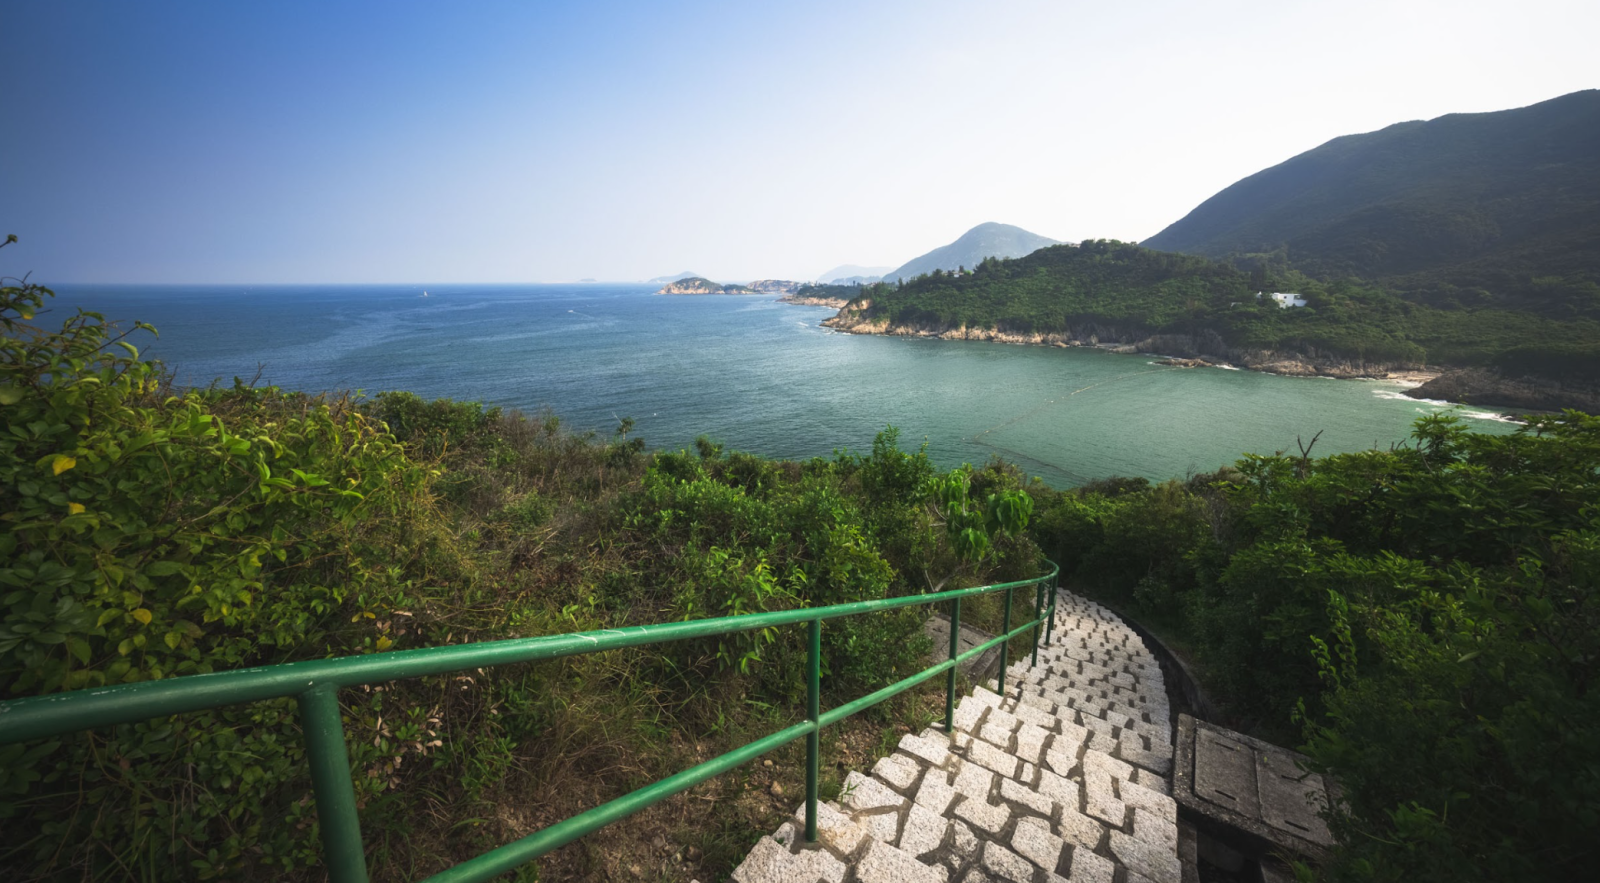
1067 777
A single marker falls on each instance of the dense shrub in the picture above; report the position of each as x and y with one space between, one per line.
152 532
1427 614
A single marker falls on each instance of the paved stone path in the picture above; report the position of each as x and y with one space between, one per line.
1067 777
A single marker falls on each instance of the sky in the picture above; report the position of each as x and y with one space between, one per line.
399 142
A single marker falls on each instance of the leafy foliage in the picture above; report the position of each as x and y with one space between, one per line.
1428 614
153 532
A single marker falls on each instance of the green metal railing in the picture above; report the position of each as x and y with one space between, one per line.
316 686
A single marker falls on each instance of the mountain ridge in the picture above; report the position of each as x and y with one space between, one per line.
987 240
1469 207
850 273
667 280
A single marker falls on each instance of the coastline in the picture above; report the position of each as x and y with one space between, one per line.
1415 378
1182 351
1448 385
832 303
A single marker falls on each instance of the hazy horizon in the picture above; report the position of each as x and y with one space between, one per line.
510 144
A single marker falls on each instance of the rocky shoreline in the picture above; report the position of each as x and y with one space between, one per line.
1207 349
1479 387
832 303
1485 387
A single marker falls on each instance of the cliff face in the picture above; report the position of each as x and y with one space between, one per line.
1206 345
1486 386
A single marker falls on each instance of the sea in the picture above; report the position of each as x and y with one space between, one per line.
753 374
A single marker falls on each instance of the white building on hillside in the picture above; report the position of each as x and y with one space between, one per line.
1285 299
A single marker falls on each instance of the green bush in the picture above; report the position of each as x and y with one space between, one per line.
152 533
1427 615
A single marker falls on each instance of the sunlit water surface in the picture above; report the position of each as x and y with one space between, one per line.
757 375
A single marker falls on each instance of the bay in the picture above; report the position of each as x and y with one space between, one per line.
753 374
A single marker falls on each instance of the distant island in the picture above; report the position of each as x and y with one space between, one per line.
850 274
778 286
702 285
663 280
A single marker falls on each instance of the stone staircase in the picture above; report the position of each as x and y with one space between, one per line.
1066 777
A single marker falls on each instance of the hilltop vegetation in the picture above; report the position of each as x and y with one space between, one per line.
1467 210
1122 292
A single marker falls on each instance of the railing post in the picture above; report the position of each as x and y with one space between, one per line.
1005 645
329 757
1038 609
1050 630
950 682
814 712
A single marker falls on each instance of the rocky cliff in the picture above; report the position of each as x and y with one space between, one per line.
1488 387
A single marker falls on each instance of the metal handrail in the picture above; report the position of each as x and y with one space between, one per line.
316 684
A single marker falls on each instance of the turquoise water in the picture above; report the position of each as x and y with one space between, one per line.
754 374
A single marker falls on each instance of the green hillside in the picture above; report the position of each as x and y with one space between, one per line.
1136 291
1486 209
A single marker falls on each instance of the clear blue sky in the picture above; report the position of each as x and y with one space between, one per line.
479 142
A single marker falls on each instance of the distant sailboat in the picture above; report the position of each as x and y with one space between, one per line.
424 294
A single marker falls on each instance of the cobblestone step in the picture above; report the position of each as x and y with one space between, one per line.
1066 777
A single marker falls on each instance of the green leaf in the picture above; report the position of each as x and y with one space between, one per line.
10 395
164 568
79 648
